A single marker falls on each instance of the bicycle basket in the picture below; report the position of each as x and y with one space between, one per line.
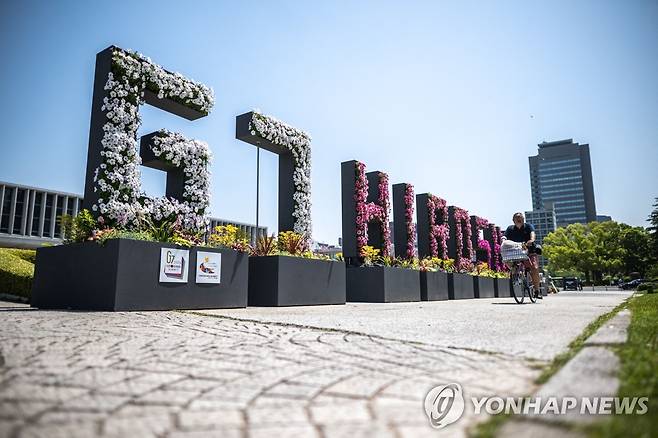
513 253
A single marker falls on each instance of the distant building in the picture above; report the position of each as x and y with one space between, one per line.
544 222
325 248
561 173
603 218
29 216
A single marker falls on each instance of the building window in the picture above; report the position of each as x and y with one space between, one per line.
6 208
48 218
18 216
36 215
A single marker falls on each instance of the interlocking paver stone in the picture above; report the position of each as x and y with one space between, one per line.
187 374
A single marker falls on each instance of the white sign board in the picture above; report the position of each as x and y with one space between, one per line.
208 267
174 265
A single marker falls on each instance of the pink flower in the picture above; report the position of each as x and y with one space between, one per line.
367 212
439 229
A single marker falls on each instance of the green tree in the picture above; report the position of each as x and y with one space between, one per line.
608 253
599 249
636 246
571 248
653 230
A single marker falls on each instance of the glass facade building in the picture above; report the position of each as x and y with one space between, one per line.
561 175
544 222
29 216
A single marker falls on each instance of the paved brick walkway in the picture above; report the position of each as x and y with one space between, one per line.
175 374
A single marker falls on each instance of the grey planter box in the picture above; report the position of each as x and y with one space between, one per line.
485 287
503 287
295 281
123 274
434 286
461 286
382 284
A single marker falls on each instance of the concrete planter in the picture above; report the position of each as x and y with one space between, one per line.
461 286
123 274
382 284
434 286
295 281
503 287
485 287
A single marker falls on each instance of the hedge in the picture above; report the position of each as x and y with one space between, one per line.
16 271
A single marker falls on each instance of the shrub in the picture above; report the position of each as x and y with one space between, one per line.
647 287
229 236
78 228
16 271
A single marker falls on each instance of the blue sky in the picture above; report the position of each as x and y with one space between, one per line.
451 97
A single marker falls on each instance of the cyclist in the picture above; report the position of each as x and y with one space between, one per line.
522 232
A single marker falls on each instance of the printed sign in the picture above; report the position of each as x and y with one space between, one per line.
208 267
174 265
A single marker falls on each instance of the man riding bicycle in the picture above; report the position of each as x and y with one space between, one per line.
522 232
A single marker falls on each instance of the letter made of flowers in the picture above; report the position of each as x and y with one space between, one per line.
463 244
191 158
437 209
403 221
483 245
368 212
297 143
125 80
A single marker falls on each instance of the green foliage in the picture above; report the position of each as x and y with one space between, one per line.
162 231
435 264
265 246
647 287
653 230
597 249
78 228
103 236
637 376
652 272
16 271
229 236
291 243
29 255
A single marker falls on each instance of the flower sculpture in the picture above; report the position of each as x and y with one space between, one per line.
464 246
367 212
298 143
410 251
439 228
496 258
117 178
484 245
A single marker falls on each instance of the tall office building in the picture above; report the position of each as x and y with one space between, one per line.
544 223
561 174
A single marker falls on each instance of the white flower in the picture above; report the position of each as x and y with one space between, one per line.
117 178
299 144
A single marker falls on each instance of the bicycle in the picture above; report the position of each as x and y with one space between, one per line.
515 255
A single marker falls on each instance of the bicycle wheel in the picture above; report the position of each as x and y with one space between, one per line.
517 288
528 290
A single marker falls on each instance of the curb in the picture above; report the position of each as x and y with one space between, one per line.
591 372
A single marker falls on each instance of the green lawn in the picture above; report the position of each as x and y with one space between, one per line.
639 372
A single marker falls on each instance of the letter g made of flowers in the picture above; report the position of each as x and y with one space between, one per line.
123 81
365 210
